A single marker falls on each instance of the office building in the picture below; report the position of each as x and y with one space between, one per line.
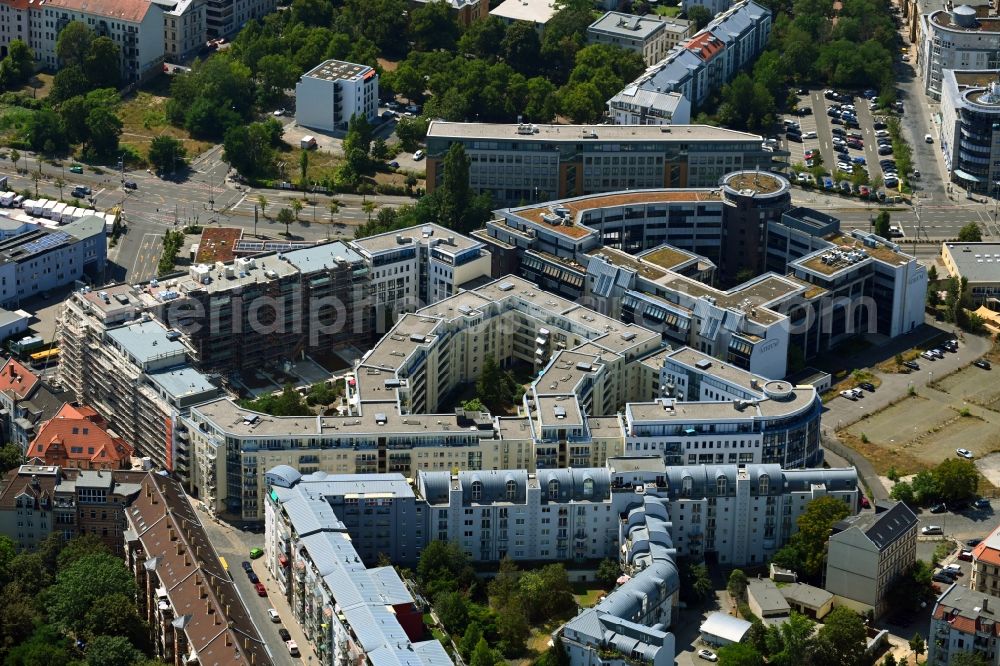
184 592
867 553
970 127
350 613
40 500
41 259
135 26
959 37
650 36
964 621
979 264
533 163
696 68
419 266
333 92
26 402
78 437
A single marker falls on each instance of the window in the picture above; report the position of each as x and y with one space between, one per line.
511 490
720 486
686 486
553 489
477 491
764 482
588 487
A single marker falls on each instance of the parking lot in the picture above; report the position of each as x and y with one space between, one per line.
846 142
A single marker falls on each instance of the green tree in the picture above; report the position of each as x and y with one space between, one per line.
925 487
304 167
452 609
102 64
842 639
699 15
739 654
495 387
410 132
555 655
286 403
286 217
111 651
546 592
882 224
115 615
581 102
47 645
957 480
917 644
608 572
249 148
15 157
79 547
105 130
46 132
80 585
262 202
444 565
902 491
73 44
483 655
455 193
11 456
970 233
791 642
275 74
967 659
482 39
73 113
68 82
166 153
505 586
521 47
312 12
433 26
737 585
814 529
890 660
512 625
473 634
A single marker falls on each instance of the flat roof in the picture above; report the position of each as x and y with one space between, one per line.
217 244
337 70
767 595
321 257
182 382
976 262
757 182
576 133
628 25
843 243
444 239
737 376
244 274
943 18
146 341
532 11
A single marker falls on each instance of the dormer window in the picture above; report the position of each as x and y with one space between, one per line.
720 486
764 485
588 487
477 491
686 484
511 490
553 489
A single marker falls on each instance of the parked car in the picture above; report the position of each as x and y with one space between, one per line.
868 386
965 556
273 614
279 112
865 504
939 508
879 125
293 648
809 154
255 553
809 135
76 168
956 568
928 530
797 138
131 185
942 578
261 590
982 363
972 543
982 503
937 353
965 453
253 577
707 655
839 131
285 636
929 356
850 395
419 155
246 566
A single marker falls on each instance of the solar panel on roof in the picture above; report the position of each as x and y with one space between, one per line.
46 242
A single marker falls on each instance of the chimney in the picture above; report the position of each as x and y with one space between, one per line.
202 593
986 604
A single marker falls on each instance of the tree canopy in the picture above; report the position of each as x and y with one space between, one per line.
806 550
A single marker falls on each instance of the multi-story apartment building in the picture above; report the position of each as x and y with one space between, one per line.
184 592
132 370
517 163
333 92
587 366
985 575
696 68
414 267
964 621
135 26
226 17
26 402
185 28
635 509
351 614
970 127
43 259
649 36
867 553
15 21
958 38
78 437
40 500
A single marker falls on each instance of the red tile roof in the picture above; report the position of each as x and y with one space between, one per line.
964 623
986 553
76 437
705 45
133 11
17 379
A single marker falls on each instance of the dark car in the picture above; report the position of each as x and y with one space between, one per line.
246 566
285 636
912 365
868 386
972 543
878 125
942 578
131 185
839 131
253 577
836 121
982 363
804 111
797 138
803 91
939 508
982 503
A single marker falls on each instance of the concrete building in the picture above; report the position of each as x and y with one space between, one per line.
40 500
42 259
713 6
721 629
78 437
226 17
867 553
184 593
970 127
185 28
535 12
13 322
351 614
135 26
979 263
15 22
964 621
575 160
813 602
419 266
985 575
696 68
331 93
650 36
766 601
957 38
26 402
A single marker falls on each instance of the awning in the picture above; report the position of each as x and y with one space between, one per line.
965 175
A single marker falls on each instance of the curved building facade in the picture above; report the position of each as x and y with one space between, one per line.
970 128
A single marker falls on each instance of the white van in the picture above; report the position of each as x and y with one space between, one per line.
18 201
7 198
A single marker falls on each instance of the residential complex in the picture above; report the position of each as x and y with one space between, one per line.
518 163
867 553
970 127
985 575
78 437
185 28
667 91
333 92
184 592
351 614
26 402
957 38
226 17
633 508
964 621
40 500
979 265
650 36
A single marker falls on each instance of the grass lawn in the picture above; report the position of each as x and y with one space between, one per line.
322 164
587 594
144 117
668 11
39 85
13 122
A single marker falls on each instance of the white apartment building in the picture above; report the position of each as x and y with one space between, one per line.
713 6
15 21
964 621
867 553
959 38
135 26
650 36
418 266
185 28
330 94
970 128
226 17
